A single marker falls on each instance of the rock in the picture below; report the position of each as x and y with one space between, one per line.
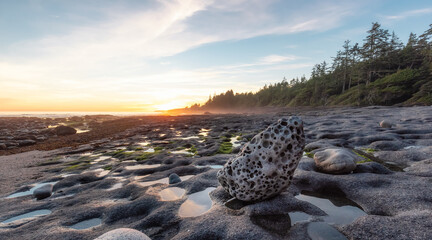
335 161
415 224
387 145
64 130
372 167
43 192
236 150
320 230
386 124
235 204
209 150
174 178
307 164
123 234
27 142
320 144
277 223
265 166
3 146
422 168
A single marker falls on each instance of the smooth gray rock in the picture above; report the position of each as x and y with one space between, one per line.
43 192
174 178
386 124
387 145
123 234
64 130
266 164
335 161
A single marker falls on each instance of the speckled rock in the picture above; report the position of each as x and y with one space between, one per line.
335 161
386 124
265 166
123 234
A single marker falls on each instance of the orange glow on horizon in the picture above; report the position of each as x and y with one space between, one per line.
90 106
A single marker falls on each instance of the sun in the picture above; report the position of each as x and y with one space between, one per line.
169 106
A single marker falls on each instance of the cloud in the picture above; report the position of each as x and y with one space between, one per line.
411 13
118 52
271 59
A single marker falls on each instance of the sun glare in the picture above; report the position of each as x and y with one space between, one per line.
169 106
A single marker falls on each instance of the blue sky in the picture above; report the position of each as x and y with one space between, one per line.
106 55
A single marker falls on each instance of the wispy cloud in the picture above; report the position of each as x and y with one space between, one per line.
118 52
411 13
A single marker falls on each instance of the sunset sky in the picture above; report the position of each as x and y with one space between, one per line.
106 55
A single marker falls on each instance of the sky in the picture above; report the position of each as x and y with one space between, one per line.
142 56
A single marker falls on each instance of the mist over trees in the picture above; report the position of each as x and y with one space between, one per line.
379 71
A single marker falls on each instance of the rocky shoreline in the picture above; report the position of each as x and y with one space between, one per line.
117 176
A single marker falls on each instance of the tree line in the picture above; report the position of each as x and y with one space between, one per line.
380 71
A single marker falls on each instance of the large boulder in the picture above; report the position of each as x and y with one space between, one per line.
335 161
64 130
265 166
123 234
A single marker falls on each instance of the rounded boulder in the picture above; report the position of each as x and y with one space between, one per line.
174 178
64 130
43 191
335 161
386 124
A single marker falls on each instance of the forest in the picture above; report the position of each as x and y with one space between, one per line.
379 71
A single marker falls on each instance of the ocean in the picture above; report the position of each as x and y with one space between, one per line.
70 114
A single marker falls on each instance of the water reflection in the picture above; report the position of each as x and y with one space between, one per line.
183 151
204 132
30 191
197 204
211 166
276 223
87 224
142 166
100 159
172 193
145 143
299 217
115 186
235 143
36 213
82 130
339 210
163 181
321 231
